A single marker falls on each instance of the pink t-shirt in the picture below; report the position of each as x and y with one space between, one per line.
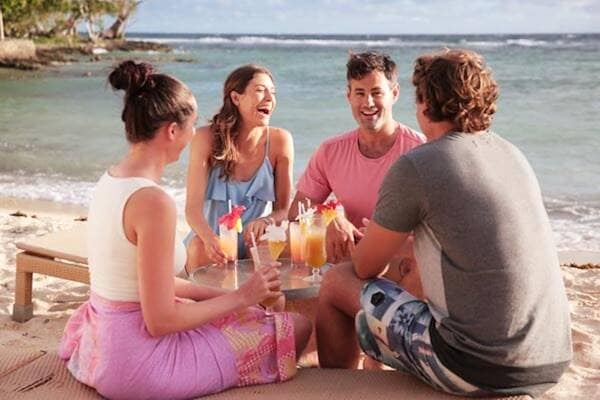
340 168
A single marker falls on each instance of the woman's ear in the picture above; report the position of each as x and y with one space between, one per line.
172 130
235 98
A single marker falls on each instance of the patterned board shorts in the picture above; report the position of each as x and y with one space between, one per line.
393 328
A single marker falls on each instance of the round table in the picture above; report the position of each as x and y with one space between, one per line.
231 276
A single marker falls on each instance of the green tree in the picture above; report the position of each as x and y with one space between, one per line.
30 18
125 8
92 12
26 18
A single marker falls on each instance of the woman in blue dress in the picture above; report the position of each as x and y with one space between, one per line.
238 158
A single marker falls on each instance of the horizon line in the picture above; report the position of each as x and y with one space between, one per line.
363 34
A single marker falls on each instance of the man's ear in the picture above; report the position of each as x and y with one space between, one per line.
395 91
348 91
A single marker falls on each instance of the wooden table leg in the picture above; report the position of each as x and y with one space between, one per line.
23 307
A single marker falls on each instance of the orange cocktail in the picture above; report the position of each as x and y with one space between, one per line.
315 254
296 243
230 225
228 239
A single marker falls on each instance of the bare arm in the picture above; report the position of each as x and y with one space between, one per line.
284 170
197 177
189 290
376 249
154 238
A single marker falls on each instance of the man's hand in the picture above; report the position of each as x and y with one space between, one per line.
341 236
363 229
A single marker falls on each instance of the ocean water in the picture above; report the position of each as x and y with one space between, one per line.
59 129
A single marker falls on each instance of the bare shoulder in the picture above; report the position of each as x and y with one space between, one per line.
280 137
203 140
151 200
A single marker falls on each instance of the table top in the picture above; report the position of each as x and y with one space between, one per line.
231 277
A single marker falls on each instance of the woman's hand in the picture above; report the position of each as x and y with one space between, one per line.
263 284
256 227
212 248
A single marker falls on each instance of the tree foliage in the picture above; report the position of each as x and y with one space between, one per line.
34 18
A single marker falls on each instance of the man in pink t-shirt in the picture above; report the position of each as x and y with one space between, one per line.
352 165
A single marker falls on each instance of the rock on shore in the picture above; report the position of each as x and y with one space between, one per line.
24 54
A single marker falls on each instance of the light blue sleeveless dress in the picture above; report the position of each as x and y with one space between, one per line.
256 194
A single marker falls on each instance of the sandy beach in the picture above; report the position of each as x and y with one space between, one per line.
55 299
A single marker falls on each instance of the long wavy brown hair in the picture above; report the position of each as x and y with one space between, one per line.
225 124
457 87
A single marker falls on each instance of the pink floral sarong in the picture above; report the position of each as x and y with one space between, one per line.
108 347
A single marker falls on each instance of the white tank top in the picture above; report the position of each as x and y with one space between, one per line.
111 257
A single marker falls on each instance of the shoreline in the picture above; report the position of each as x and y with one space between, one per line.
34 207
47 55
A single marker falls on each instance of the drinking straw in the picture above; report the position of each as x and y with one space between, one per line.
301 211
253 239
254 251
229 205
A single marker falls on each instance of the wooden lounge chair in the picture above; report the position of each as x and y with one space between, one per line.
61 254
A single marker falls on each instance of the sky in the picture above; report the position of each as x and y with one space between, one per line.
367 16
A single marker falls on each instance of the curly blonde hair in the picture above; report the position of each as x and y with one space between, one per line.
458 87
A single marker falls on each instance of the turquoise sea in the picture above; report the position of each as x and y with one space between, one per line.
60 128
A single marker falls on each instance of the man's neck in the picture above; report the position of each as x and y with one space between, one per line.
438 130
377 144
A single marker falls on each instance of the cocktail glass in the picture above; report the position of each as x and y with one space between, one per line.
261 255
296 243
228 239
276 247
315 253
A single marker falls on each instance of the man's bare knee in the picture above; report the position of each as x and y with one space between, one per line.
341 289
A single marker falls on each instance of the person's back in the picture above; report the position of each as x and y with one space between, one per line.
111 257
489 245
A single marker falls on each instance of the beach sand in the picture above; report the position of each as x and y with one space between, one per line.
55 299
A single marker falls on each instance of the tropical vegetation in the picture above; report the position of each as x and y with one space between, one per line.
64 18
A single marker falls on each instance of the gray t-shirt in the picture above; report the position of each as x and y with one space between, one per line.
486 254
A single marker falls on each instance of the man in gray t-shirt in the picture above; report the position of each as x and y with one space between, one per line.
496 316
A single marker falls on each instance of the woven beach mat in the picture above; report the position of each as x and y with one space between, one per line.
27 372
337 384
46 377
39 375
13 359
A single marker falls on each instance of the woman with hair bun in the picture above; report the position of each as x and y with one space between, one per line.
239 159
144 333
